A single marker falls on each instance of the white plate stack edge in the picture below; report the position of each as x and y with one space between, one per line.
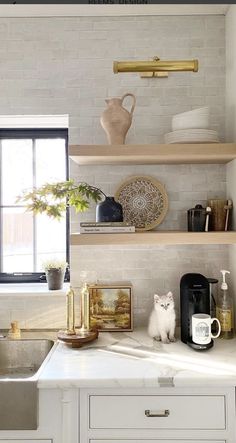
192 127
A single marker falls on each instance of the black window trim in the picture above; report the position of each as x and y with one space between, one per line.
37 277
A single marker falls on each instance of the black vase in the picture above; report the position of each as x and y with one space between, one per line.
109 211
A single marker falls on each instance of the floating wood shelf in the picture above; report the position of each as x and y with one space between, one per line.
152 154
156 238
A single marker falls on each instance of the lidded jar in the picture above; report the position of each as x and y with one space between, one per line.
197 218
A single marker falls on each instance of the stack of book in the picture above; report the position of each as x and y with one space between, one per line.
105 227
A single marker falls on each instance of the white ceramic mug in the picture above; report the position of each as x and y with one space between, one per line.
201 328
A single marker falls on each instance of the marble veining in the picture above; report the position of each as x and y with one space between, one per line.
135 360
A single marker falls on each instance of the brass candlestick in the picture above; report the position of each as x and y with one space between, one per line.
70 311
78 337
84 308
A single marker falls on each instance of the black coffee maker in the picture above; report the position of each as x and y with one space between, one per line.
194 299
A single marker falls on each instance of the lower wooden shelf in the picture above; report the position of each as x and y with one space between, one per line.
156 238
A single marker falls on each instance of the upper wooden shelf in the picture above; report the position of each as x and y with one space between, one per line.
156 238
152 154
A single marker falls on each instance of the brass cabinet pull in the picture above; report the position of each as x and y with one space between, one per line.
165 413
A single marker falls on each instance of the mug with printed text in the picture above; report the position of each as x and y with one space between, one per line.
201 328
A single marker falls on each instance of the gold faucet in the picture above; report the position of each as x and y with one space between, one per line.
14 333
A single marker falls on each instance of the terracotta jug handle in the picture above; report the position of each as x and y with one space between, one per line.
134 101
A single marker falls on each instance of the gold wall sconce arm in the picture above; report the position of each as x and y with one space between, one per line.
155 67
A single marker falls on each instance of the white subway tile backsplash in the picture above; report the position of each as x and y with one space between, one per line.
150 269
63 65
82 55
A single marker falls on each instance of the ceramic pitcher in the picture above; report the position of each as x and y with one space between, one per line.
116 120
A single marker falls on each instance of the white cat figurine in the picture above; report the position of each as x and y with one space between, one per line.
162 319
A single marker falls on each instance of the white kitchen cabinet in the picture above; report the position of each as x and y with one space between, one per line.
192 415
25 441
156 441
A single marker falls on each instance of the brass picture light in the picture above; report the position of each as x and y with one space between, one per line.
155 67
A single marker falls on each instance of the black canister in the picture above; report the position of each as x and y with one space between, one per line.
197 219
109 211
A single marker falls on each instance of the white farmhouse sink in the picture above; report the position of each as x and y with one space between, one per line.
20 361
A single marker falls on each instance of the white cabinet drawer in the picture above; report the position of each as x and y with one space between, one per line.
25 441
156 441
185 412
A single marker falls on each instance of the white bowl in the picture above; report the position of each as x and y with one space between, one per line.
198 121
193 112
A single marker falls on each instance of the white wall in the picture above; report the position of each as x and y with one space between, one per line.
64 66
231 187
230 31
231 122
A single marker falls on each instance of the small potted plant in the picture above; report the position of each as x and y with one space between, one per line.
55 273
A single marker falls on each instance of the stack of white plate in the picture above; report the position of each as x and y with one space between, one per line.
192 127
192 136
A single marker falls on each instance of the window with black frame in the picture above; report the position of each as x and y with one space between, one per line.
30 158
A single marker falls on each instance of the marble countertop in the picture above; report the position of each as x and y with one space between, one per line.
132 359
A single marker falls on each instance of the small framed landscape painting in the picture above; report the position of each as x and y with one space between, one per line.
110 307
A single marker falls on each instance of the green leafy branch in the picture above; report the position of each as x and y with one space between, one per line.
52 199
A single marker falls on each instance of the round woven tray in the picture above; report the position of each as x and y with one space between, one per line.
144 201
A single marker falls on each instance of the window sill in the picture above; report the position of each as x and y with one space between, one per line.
30 289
